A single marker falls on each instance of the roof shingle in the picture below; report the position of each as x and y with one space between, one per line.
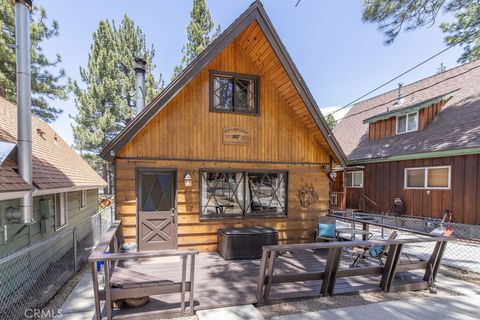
55 164
457 126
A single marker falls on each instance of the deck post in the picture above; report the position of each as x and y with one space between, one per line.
98 311
184 277
192 276
434 261
331 268
261 276
271 263
108 296
390 268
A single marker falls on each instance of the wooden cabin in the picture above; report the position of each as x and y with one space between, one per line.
235 140
420 143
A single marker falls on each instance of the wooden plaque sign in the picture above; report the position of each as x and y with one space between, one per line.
235 136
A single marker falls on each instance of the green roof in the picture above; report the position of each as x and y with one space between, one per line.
409 109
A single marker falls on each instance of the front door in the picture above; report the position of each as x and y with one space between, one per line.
157 221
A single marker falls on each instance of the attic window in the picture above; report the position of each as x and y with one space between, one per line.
233 92
407 123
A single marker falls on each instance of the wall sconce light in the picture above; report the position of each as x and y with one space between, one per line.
332 175
187 179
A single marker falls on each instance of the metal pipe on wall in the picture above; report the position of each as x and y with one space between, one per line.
140 64
24 103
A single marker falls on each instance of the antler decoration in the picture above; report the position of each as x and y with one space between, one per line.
307 195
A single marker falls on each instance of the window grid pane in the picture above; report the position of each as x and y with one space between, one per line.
415 178
412 122
402 124
244 95
223 93
437 178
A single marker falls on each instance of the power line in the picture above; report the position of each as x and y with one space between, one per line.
413 92
405 72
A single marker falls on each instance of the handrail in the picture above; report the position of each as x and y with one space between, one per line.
139 255
332 270
385 226
349 244
107 238
369 199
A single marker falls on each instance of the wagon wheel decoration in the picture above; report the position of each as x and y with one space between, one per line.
307 195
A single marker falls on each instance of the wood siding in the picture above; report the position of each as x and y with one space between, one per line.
75 215
388 127
185 135
193 232
384 181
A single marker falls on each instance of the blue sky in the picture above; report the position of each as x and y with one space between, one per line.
339 57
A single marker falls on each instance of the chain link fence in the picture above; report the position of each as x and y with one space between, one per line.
30 277
463 252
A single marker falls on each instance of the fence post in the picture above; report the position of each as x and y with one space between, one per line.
383 228
112 214
99 225
74 236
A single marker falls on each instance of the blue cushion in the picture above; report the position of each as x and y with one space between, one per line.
326 230
375 251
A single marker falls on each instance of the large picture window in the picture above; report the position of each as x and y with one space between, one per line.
233 92
427 178
240 193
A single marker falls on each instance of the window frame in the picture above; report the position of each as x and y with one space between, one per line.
425 180
63 210
241 215
234 76
406 122
353 172
82 198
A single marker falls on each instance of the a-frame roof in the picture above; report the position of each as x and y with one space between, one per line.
254 13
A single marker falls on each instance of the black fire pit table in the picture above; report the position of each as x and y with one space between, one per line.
244 243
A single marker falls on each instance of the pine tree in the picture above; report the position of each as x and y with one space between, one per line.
106 103
393 16
199 34
46 85
331 121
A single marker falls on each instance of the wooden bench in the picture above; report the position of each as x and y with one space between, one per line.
332 272
123 283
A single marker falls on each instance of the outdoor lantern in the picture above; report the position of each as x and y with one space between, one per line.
188 179
332 175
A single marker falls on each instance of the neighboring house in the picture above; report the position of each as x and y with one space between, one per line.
420 143
65 186
235 140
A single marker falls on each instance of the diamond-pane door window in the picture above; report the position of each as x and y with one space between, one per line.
222 193
156 192
267 193
223 93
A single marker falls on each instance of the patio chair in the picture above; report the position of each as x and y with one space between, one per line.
376 252
326 226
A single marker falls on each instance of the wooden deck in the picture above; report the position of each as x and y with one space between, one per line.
220 283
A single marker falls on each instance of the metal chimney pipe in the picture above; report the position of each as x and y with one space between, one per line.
24 103
140 64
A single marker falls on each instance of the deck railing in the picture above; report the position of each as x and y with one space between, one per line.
332 272
111 242
337 200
